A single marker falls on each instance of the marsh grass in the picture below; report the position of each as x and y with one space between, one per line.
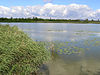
20 55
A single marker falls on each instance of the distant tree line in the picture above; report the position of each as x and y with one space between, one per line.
41 20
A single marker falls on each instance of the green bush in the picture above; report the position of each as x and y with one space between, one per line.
19 55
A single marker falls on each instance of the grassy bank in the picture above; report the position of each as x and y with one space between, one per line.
19 55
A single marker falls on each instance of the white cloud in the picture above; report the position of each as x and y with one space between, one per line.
72 11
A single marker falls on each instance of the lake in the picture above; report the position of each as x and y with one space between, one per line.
76 46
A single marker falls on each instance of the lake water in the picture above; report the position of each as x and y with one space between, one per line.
77 46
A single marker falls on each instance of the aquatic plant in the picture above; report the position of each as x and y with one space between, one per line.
20 55
92 42
65 48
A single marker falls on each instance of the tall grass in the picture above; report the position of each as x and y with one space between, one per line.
19 55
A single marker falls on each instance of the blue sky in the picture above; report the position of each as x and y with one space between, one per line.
94 4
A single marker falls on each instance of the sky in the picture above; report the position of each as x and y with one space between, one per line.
67 9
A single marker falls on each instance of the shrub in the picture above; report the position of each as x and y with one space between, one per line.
19 55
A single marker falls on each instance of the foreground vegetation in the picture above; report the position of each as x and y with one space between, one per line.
19 55
40 20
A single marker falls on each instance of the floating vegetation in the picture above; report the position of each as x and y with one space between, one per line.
20 55
90 33
57 30
68 49
87 31
92 42
65 48
72 47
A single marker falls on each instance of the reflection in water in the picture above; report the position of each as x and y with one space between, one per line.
75 58
59 31
75 47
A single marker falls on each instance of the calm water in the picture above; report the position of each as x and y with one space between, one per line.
77 46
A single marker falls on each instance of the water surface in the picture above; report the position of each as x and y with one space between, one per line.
77 46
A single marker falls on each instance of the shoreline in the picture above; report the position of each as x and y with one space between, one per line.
51 22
